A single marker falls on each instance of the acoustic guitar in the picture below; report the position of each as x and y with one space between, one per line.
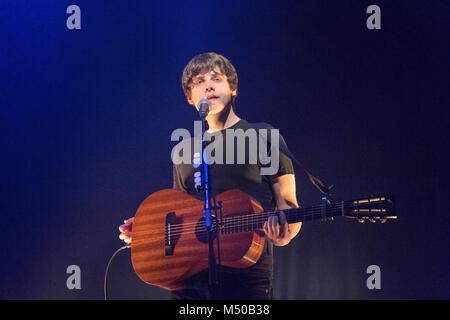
170 240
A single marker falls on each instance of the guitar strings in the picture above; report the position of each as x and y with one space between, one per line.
238 223
224 229
227 225
246 221
249 218
201 230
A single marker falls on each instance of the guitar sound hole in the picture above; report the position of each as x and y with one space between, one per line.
201 232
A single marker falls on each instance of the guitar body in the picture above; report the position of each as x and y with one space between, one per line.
169 240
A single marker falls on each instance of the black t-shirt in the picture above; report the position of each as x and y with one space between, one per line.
246 177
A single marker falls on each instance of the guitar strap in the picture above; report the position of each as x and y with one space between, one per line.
316 182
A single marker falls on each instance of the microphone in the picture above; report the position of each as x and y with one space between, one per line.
203 108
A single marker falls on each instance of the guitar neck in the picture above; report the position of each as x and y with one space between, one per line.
254 222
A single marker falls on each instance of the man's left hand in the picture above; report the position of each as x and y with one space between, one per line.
277 230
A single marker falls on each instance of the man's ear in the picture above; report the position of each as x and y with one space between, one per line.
234 92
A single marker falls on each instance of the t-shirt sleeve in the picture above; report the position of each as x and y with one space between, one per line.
285 164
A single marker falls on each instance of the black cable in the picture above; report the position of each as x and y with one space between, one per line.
107 268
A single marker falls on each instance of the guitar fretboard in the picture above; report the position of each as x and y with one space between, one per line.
254 222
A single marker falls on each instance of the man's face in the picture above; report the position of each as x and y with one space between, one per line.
213 86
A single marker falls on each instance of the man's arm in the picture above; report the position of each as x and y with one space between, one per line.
280 232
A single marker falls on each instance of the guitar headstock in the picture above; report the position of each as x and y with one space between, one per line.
373 209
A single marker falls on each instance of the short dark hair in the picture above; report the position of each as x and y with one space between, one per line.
206 62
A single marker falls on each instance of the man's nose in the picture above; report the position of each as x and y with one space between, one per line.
209 86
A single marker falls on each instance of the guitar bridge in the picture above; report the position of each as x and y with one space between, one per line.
171 234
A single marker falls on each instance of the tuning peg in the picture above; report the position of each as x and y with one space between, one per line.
372 220
361 220
383 220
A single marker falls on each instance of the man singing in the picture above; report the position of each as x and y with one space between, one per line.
211 76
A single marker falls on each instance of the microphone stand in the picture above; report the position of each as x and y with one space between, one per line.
212 268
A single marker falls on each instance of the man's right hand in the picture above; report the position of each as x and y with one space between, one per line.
125 230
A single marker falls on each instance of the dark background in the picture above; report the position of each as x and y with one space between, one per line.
86 118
